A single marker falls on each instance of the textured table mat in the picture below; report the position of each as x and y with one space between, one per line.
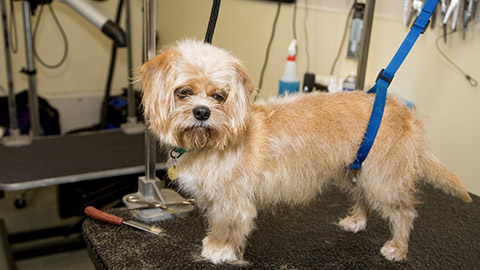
446 235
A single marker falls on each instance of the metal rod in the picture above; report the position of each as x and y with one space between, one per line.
150 42
149 51
131 101
33 98
150 155
364 45
12 105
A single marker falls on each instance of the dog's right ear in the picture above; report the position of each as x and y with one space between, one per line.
157 76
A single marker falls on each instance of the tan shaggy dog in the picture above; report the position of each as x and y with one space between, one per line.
242 156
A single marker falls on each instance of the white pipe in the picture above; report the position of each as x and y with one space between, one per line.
87 11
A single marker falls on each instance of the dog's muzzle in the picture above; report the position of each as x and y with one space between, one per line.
201 113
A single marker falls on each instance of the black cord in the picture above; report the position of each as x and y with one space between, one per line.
212 22
305 29
295 20
13 28
470 79
343 38
267 54
111 71
64 36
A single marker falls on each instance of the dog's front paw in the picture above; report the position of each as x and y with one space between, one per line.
393 252
353 224
218 253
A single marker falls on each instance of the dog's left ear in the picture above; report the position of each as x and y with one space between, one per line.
244 79
238 101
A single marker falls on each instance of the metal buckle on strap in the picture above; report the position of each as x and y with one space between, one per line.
380 76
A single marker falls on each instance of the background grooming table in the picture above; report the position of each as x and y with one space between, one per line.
65 159
111 160
446 235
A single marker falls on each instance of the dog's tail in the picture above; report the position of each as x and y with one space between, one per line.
440 177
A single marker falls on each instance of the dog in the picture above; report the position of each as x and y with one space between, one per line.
242 156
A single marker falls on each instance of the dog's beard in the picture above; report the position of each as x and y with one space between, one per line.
194 137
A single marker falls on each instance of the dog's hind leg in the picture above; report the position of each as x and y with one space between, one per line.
394 198
357 218
391 192
401 218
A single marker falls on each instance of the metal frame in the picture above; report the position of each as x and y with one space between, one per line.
149 52
75 178
6 255
35 128
15 138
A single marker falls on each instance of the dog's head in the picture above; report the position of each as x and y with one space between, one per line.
196 95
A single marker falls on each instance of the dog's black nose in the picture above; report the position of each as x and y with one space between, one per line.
202 113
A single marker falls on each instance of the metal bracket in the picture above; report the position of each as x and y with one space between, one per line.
132 126
16 139
151 192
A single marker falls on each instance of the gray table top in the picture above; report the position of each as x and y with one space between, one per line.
64 159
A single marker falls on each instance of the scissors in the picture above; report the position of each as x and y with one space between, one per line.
409 13
136 199
469 9
406 10
454 5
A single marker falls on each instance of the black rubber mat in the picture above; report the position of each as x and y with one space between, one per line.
446 235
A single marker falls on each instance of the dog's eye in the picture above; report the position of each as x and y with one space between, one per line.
183 92
219 97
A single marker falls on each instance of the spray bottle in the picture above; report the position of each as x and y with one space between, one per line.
349 83
289 83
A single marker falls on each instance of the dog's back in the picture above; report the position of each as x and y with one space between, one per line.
320 133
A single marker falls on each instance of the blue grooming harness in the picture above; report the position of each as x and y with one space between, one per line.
384 79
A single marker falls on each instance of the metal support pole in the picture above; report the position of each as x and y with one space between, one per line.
150 51
30 71
364 45
150 155
12 105
131 102
132 126
15 138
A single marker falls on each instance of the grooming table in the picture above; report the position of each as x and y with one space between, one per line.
71 158
446 236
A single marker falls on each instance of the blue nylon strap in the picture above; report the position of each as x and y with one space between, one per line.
384 79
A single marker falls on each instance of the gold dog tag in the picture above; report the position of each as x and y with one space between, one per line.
173 173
